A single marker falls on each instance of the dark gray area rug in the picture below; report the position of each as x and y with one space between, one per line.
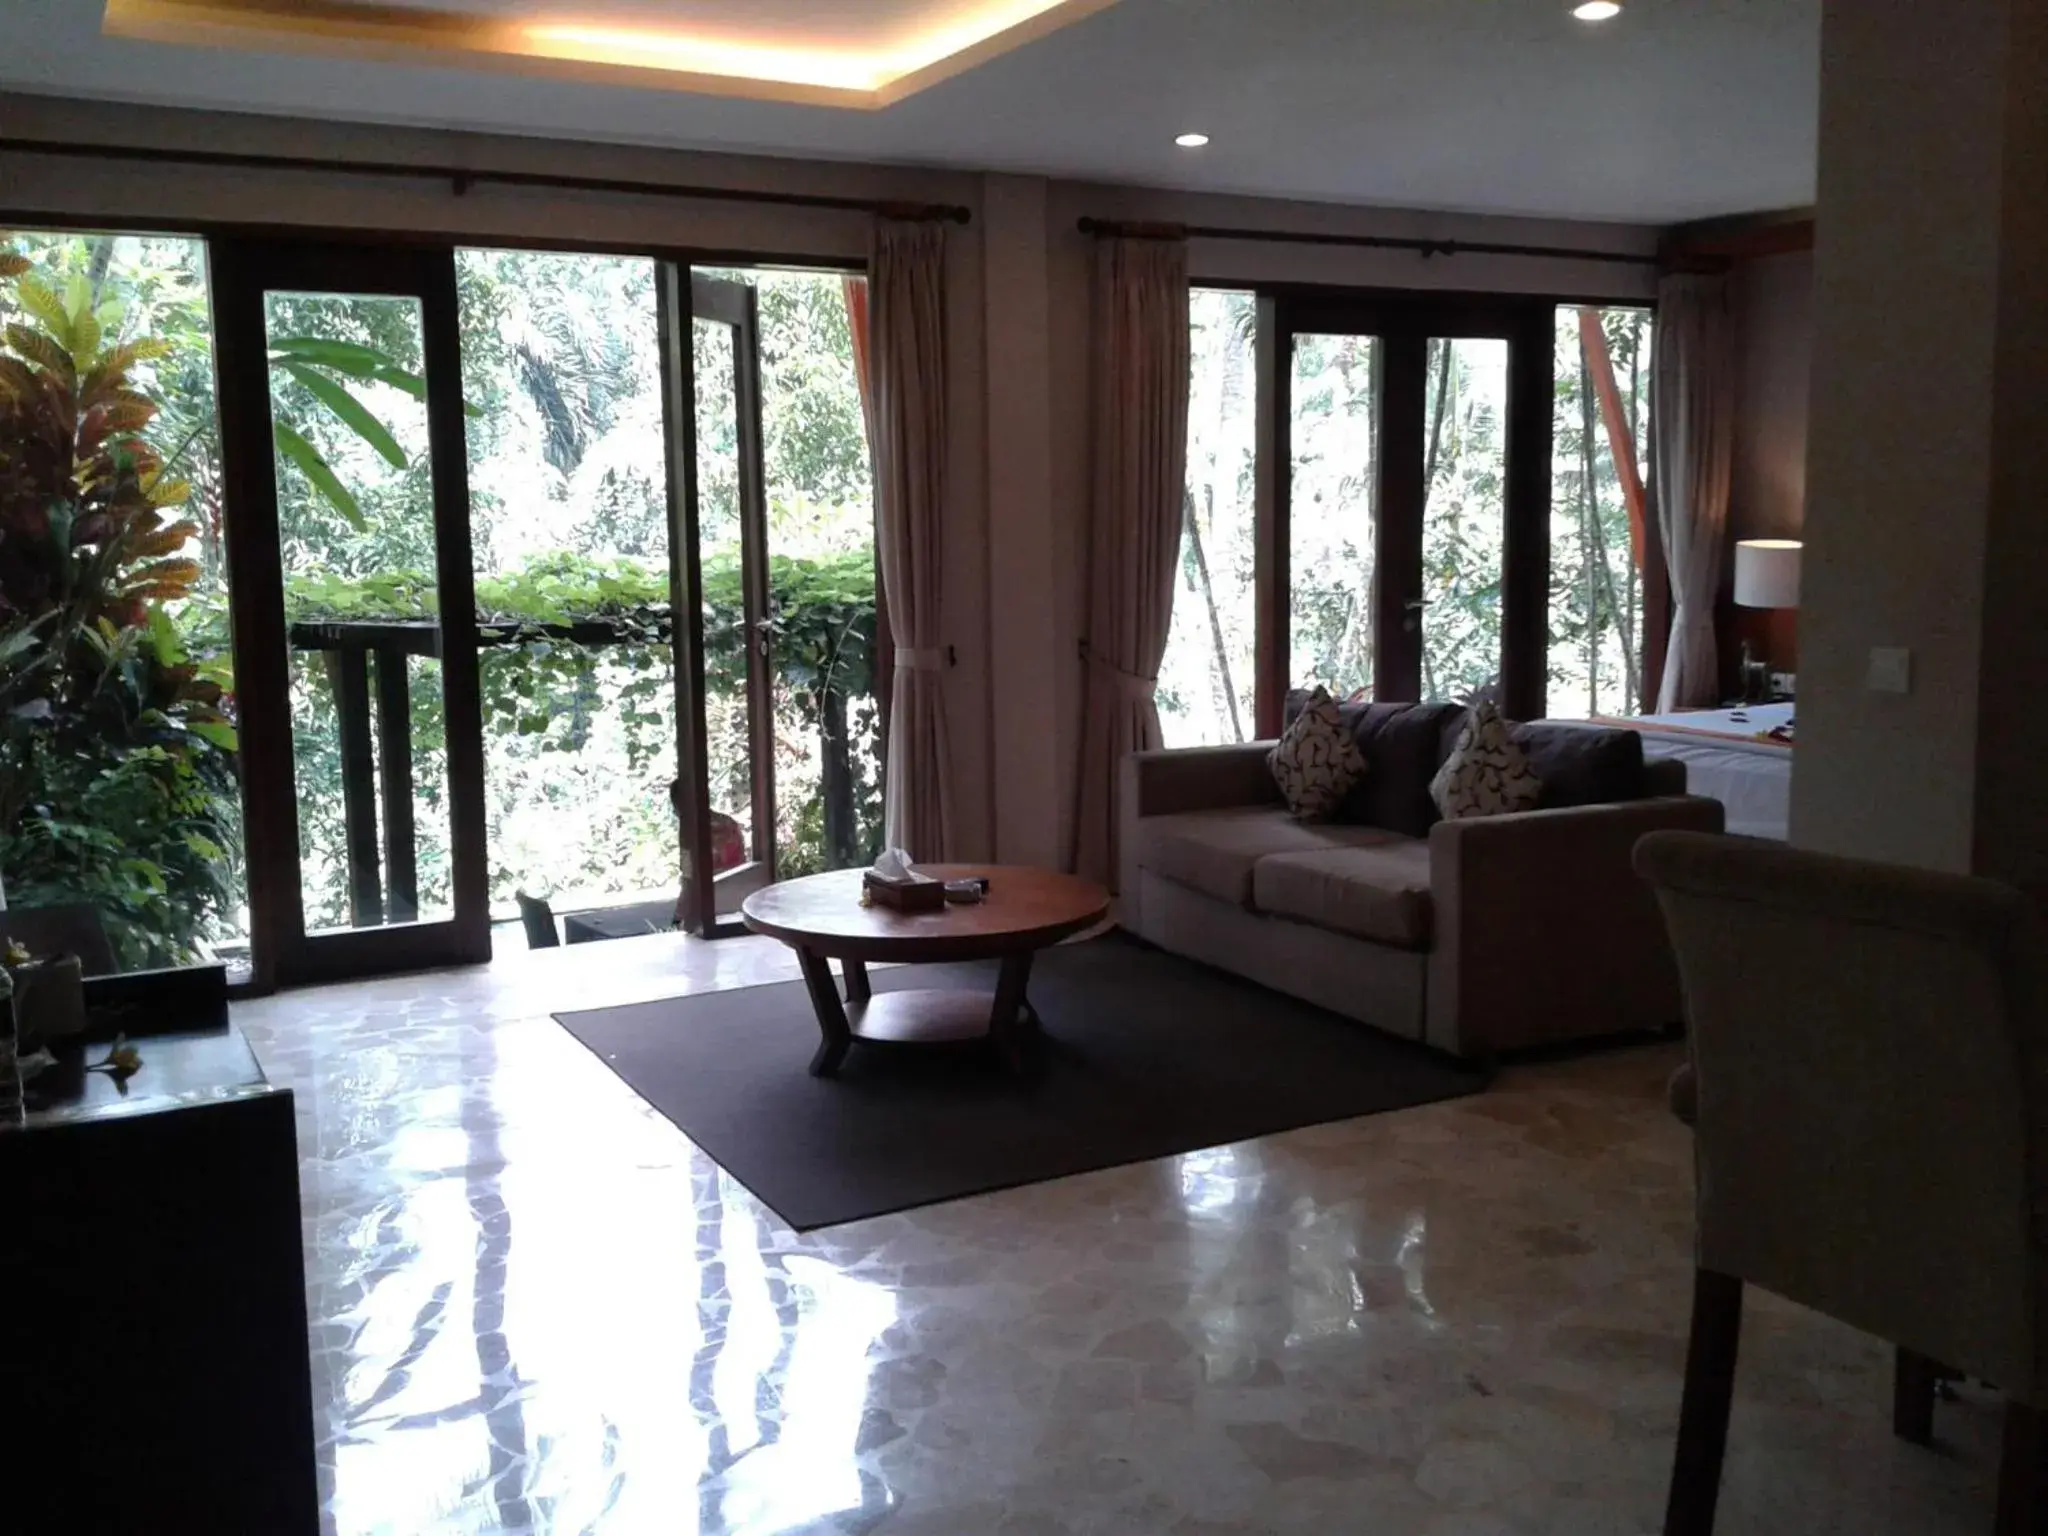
1143 1055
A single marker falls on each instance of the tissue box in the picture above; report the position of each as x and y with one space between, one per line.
919 894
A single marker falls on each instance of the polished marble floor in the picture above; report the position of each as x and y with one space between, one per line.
536 1307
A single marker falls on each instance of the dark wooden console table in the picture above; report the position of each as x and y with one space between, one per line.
153 1291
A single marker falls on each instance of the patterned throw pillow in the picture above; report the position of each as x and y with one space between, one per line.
1486 773
1317 760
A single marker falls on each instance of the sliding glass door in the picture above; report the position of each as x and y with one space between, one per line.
502 580
1406 544
354 612
724 791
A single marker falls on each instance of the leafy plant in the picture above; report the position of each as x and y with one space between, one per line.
116 750
548 688
322 366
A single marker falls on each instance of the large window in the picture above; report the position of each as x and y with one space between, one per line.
1205 681
468 486
1457 509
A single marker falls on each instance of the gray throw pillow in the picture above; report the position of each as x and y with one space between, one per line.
1582 764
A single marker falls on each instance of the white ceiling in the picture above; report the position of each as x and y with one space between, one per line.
1680 109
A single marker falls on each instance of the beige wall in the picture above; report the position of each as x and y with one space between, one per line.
1925 468
1018 337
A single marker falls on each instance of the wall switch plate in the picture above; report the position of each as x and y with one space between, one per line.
1891 669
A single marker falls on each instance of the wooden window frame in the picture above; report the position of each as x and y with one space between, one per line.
244 260
1405 320
240 273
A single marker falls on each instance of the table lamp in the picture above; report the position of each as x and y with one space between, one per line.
1766 576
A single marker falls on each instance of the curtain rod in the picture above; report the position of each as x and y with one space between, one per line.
1112 227
462 178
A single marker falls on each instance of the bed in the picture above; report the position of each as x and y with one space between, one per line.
1741 757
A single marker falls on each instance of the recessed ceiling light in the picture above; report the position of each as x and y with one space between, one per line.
1597 10
1191 140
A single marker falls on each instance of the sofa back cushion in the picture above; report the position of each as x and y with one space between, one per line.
1581 764
1663 776
1404 745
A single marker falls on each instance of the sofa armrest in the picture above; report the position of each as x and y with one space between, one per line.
1544 932
1168 782
1173 780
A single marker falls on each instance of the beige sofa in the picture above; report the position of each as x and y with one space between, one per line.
1483 936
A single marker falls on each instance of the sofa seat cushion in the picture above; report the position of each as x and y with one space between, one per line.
1214 852
1379 892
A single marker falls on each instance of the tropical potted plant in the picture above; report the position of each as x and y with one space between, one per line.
117 753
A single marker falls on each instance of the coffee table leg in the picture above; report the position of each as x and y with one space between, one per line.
857 988
831 1013
1006 1025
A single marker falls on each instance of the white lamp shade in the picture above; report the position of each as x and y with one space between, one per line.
1767 573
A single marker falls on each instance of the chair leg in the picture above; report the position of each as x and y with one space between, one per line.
2023 1473
1914 1379
1703 1415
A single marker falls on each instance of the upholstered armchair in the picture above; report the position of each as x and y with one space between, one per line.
1870 1060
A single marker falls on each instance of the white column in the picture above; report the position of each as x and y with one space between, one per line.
1927 470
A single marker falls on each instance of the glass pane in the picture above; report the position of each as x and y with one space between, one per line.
725 637
1596 544
1333 510
119 789
1464 515
362 608
1206 678
821 578
569 529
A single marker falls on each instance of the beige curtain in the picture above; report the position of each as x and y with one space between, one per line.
907 434
1692 417
1140 452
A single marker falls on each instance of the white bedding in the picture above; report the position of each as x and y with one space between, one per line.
1725 760
1742 726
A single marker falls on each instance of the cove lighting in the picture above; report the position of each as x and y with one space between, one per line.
871 56
633 49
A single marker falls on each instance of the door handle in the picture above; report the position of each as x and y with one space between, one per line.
1411 619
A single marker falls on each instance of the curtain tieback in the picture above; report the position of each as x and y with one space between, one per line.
925 659
1133 685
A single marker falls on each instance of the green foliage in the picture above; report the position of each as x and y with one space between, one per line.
1463 524
569 521
116 754
547 689
318 366
1596 588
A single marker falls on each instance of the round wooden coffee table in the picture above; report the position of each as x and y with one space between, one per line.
821 918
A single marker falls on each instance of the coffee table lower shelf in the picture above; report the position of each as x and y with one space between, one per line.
916 1016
